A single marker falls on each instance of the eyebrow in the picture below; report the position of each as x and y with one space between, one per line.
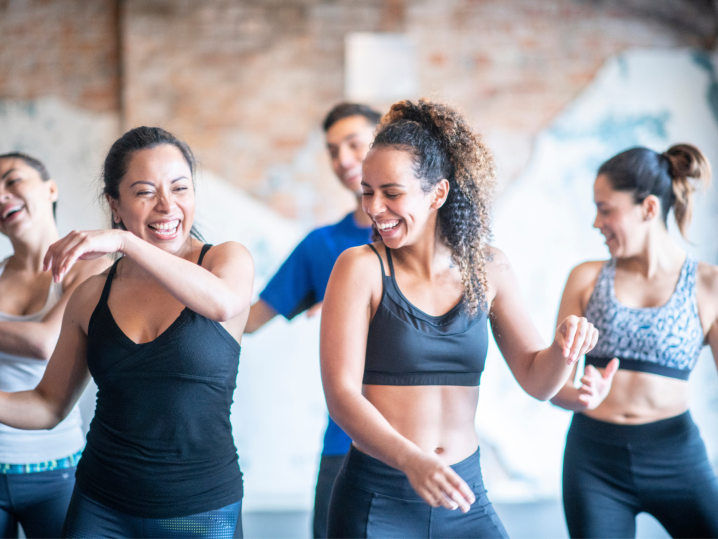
384 185
147 182
8 172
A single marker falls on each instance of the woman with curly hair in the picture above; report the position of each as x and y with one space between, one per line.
402 351
636 448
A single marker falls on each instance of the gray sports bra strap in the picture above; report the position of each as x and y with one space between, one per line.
383 273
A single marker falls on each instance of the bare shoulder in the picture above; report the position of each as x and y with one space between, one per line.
496 260
707 280
585 274
83 269
229 250
85 298
361 258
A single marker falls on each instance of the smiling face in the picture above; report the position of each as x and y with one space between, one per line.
25 199
348 141
156 201
623 223
392 196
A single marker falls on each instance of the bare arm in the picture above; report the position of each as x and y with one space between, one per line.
66 375
37 340
259 314
594 385
540 371
220 289
352 294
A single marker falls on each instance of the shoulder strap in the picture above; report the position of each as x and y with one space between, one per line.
205 248
391 262
108 281
379 257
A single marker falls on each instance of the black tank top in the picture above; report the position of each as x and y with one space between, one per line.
407 347
160 444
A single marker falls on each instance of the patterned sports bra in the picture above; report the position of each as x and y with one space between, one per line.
662 340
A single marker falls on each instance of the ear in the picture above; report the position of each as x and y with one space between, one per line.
53 190
651 207
441 193
114 208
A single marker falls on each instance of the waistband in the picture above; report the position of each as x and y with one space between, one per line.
47 466
373 475
647 433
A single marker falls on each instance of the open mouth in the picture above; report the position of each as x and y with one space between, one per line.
9 212
387 226
165 228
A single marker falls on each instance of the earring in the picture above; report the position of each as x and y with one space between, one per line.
116 219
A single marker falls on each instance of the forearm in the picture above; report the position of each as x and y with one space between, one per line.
29 410
547 373
370 430
28 339
567 398
193 286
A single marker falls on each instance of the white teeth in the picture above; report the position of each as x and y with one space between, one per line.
165 229
387 225
10 211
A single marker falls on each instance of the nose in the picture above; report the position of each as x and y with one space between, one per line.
373 205
597 222
165 202
346 157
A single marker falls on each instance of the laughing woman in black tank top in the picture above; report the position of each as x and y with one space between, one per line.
159 332
404 338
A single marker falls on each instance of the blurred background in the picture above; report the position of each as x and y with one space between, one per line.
555 86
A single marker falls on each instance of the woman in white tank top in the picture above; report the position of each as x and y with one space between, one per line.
37 468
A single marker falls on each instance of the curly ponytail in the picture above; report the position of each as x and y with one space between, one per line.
686 162
444 146
667 176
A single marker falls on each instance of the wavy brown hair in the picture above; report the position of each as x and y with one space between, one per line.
443 145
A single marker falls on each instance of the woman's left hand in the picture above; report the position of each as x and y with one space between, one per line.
81 245
575 336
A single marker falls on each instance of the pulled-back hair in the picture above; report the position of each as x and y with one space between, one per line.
118 160
32 163
444 146
345 110
670 176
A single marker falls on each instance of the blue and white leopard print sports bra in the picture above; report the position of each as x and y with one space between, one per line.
662 340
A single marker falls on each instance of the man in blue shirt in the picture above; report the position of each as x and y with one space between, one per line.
300 283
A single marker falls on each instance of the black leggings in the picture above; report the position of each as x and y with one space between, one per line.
371 499
613 472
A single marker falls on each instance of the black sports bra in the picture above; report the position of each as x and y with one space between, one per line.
407 347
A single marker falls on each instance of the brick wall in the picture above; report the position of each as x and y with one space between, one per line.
247 83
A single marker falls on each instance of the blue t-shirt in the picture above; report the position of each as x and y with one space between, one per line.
302 281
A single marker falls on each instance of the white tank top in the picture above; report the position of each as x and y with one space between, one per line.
19 373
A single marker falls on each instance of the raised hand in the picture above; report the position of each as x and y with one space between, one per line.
81 245
595 386
575 336
438 484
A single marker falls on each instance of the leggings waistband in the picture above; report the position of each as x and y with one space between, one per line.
47 466
588 427
373 475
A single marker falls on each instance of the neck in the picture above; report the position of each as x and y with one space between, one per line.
360 216
659 254
428 256
29 251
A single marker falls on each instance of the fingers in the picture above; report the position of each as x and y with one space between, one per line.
578 335
611 369
443 487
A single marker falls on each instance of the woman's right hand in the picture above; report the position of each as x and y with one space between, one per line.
596 385
81 245
437 484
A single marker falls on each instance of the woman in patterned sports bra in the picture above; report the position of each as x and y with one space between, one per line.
635 448
404 334
159 332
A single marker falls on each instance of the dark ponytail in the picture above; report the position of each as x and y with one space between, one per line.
118 160
443 145
667 176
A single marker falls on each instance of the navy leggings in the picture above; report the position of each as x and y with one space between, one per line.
36 500
88 519
613 472
371 499
329 467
